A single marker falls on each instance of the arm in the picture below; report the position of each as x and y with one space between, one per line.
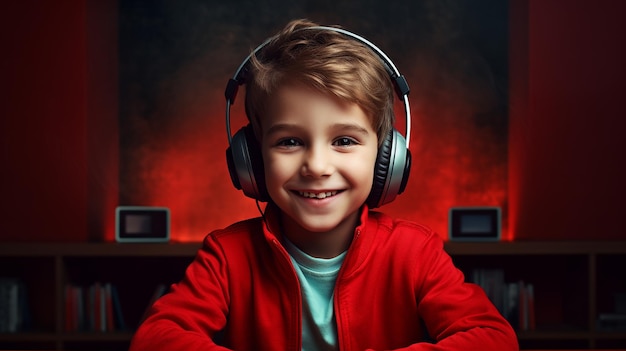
196 308
458 315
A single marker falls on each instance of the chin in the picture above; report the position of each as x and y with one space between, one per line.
321 223
317 228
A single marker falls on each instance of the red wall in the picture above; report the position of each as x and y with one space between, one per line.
57 73
567 126
59 139
44 189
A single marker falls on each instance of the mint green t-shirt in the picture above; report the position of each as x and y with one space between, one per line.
317 282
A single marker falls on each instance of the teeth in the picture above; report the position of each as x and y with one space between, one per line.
317 195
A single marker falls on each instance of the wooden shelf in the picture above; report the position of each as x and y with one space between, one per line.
573 286
63 336
99 249
536 248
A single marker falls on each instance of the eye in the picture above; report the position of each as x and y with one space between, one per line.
344 141
288 142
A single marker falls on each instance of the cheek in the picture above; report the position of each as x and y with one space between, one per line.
360 170
276 170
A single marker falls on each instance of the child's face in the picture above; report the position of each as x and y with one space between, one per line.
319 158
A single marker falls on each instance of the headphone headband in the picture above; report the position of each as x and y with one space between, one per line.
400 84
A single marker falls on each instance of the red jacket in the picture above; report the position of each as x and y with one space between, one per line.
397 289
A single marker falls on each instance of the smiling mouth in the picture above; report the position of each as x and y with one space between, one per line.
318 195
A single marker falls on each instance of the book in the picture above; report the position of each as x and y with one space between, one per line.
117 307
8 305
79 312
530 295
522 309
98 316
14 311
492 282
611 322
108 301
102 308
68 308
514 300
159 291
512 305
91 306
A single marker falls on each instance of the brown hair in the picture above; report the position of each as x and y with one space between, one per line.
327 61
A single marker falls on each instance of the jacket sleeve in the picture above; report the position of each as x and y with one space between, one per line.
195 309
457 315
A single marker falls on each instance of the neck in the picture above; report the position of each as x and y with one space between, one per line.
326 244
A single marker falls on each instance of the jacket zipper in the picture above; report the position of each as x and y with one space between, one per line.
297 316
341 343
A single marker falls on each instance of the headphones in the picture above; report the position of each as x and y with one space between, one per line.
393 161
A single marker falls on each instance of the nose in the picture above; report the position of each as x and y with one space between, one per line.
317 162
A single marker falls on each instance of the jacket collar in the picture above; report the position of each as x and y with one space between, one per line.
361 245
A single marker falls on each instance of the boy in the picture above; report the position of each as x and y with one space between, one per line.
320 270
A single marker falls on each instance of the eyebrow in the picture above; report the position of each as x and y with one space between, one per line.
281 127
343 127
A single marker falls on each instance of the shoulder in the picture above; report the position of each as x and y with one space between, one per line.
387 224
238 228
239 234
404 235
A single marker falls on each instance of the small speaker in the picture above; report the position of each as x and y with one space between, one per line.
142 224
474 224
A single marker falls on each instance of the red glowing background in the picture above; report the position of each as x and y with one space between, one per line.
186 171
68 159
172 124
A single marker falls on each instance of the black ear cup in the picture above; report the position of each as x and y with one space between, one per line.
391 171
245 164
